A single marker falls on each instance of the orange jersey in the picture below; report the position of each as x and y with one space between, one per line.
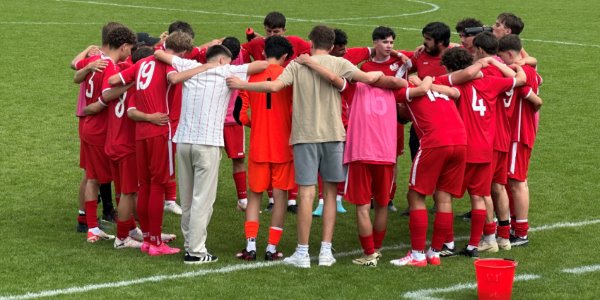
271 119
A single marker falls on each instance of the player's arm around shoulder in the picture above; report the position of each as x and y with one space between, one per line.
325 73
421 88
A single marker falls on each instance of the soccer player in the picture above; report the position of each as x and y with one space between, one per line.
317 136
438 169
200 136
524 107
466 39
120 41
476 104
270 160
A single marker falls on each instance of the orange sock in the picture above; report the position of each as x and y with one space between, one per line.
275 235
251 229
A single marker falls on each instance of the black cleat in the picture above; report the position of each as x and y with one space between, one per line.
447 252
82 227
269 207
516 241
469 253
269 256
246 255
466 216
292 209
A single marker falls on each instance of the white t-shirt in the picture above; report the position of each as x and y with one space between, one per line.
204 103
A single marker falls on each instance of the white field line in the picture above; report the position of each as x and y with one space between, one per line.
582 270
233 268
329 21
98 23
428 294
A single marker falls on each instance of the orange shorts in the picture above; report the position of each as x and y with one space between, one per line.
263 174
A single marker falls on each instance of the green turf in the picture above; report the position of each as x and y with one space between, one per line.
39 176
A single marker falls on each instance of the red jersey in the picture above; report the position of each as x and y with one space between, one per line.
357 55
477 107
435 118
271 119
152 88
256 47
502 134
524 120
94 126
120 134
427 65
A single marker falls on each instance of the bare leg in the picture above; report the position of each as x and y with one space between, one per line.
329 210
306 195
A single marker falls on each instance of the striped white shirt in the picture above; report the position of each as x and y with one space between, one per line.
204 103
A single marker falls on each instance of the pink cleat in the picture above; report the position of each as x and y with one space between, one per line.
162 249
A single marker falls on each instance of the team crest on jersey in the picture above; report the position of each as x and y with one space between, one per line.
394 67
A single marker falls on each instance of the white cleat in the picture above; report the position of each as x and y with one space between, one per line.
173 207
127 242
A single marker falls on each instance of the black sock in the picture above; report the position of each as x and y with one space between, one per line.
106 196
504 223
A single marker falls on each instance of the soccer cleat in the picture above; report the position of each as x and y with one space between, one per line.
92 238
391 207
292 209
447 252
367 260
246 255
127 242
378 254
137 234
434 260
270 256
145 247
195 260
318 211
241 205
167 237
488 246
405 213
326 259
82 227
466 216
340 208
408 260
110 217
503 244
298 260
172 206
162 249
269 207
516 241
469 253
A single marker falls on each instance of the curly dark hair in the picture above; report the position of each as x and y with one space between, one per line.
456 58
119 36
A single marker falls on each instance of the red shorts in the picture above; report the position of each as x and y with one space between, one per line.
234 141
365 180
478 179
97 163
124 173
262 175
154 164
519 161
441 168
500 167
81 152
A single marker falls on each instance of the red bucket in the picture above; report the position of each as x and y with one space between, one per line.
495 278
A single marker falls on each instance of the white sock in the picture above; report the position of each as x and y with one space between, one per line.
432 253
82 212
251 245
302 249
271 248
489 238
471 247
170 201
321 201
291 202
450 245
133 231
338 198
326 247
95 230
243 202
271 200
418 255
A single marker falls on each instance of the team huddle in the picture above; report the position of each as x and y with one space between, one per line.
318 113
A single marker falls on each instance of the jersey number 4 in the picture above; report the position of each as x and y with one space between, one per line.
478 104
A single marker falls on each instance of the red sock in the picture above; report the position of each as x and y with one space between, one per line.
142 209
504 231
340 188
122 228
240 184
91 213
171 190
477 222
441 226
131 223
417 224
155 212
450 236
521 229
378 237
292 194
251 229
489 228
393 191
270 192
81 219
275 235
320 180
367 244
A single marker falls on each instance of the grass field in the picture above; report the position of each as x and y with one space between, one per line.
42 255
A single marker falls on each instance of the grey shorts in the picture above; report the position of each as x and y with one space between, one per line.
324 158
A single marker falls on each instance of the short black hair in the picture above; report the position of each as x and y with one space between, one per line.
438 31
217 50
456 58
511 21
466 23
382 33
274 19
141 52
233 44
322 37
341 39
181 26
510 42
277 46
487 42
120 36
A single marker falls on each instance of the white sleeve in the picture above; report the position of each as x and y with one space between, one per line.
240 71
182 64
